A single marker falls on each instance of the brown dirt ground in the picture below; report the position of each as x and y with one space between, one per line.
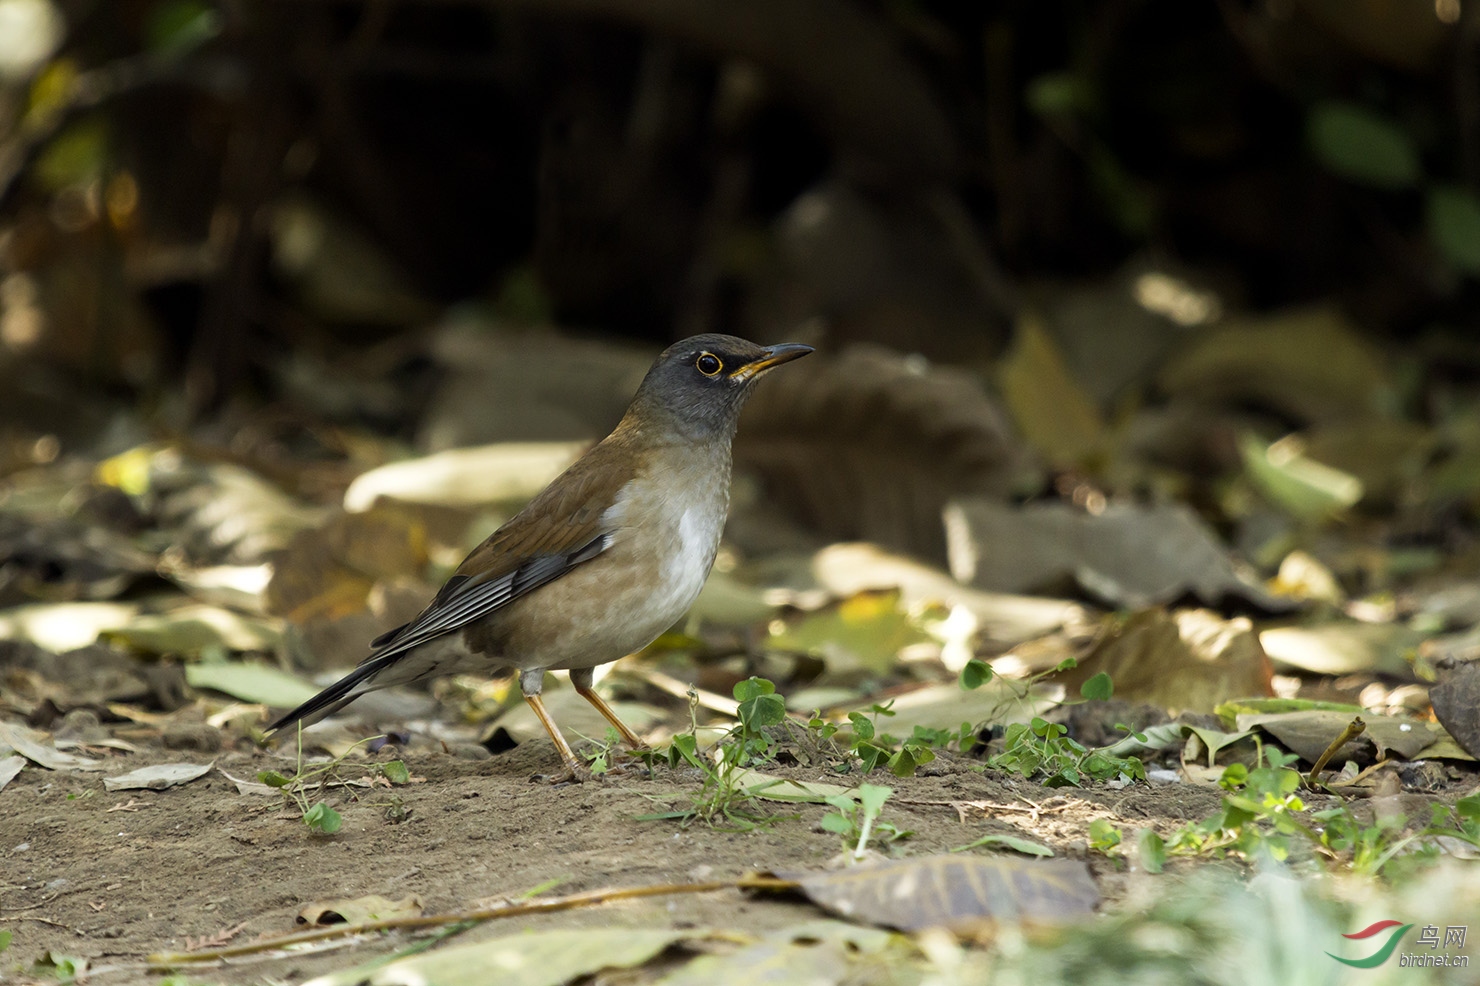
114 877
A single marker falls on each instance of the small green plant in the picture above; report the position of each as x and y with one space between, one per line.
5 936
1042 749
856 818
1104 837
722 795
870 749
62 968
317 815
599 759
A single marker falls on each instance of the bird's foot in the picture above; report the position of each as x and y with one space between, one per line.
571 773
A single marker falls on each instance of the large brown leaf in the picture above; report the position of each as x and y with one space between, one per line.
956 892
871 444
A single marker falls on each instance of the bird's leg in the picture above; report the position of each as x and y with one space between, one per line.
530 683
582 679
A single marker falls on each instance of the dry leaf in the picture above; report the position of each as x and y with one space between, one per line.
1311 363
870 445
466 477
158 777
9 768
533 958
1050 407
957 892
1130 556
28 744
1183 662
1456 701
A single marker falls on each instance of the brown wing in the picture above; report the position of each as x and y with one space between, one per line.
558 530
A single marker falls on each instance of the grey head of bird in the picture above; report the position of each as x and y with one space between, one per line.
697 386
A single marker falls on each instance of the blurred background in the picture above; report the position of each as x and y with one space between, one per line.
1135 303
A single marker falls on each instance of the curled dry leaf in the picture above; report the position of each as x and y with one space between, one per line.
872 444
1187 661
1310 731
20 740
158 777
956 892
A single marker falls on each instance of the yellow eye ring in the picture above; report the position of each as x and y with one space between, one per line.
709 364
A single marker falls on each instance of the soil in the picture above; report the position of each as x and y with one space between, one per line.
113 877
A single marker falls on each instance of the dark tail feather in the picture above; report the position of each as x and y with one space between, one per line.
336 696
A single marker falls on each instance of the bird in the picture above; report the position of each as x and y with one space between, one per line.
601 561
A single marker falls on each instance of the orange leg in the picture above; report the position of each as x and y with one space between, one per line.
576 768
582 679
611 717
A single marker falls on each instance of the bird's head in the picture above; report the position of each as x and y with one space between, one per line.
698 386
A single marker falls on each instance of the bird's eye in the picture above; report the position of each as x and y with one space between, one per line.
709 364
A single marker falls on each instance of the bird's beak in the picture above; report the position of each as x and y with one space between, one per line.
772 356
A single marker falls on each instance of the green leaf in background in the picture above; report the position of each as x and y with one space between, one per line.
175 27
1060 94
251 681
1453 218
1097 687
1362 146
74 156
1302 487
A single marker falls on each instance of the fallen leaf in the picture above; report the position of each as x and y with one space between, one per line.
252 787
157 777
847 569
1308 733
26 743
359 910
1343 647
957 892
758 785
1129 556
466 477
1049 405
809 953
189 630
1456 702
1312 363
534 958
1304 488
1184 661
251 681
860 634
9 768
871 444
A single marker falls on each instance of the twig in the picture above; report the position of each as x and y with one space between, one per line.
1353 729
585 899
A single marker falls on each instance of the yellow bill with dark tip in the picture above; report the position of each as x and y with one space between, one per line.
773 356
